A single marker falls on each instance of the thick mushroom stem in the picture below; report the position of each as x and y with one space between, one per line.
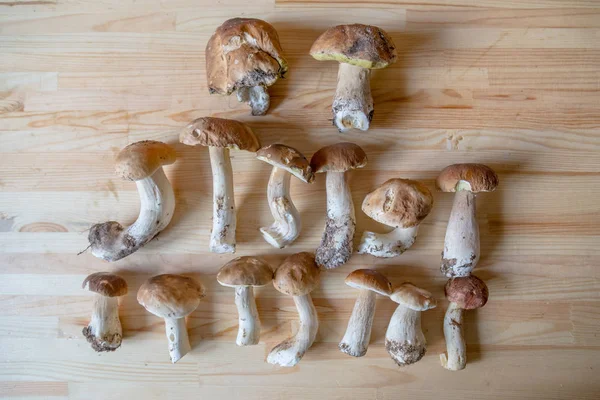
249 323
222 238
461 246
404 339
104 331
455 357
257 98
179 342
357 336
289 352
387 245
353 103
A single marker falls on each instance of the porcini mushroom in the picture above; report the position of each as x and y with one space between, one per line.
463 293
297 277
104 332
141 162
220 135
461 246
286 161
357 336
244 56
401 204
172 297
336 244
359 49
243 274
404 339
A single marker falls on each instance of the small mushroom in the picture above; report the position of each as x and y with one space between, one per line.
398 203
286 161
461 246
172 297
297 277
141 162
243 274
244 56
358 48
463 293
404 339
357 336
104 332
337 240
220 135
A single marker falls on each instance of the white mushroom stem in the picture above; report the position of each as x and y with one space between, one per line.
179 342
455 357
404 339
222 238
289 352
358 333
104 331
353 103
257 98
390 244
249 323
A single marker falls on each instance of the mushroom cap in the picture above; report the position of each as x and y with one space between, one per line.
480 178
369 279
170 296
468 292
365 46
139 160
287 158
297 275
339 157
245 271
106 284
219 132
413 297
399 203
243 52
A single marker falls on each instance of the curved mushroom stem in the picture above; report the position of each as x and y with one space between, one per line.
289 352
104 331
222 237
249 323
455 357
111 241
357 336
387 245
461 246
257 98
353 103
404 339
287 225
336 244
179 342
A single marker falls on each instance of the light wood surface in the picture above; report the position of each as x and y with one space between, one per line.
513 84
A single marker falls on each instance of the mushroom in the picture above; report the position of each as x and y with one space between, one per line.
404 339
220 135
463 293
357 336
172 297
297 277
286 161
336 244
401 204
104 332
244 56
141 162
358 48
461 246
243 274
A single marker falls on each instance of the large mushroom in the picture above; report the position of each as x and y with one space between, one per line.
359 49
141 162
337 240
244 56
398 203
220 135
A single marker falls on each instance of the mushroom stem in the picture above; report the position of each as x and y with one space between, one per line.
222 238
390 244
455 357
461 246
286 227
404 339
289 352
179 342
257 98
104 331
353 103
357 336
249 323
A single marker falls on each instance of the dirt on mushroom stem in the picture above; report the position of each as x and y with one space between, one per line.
330 255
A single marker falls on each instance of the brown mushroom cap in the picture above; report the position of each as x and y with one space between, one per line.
245 271
297 275
106 284
480 177
170 296
139 160
339 157
219 132
469 292
413 297
365 46
287 158
369 279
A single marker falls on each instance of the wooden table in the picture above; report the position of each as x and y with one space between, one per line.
476 81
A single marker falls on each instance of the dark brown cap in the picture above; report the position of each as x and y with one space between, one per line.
481 178
219 132
139 160
468 292
413 297
106 284
288 158
297 275
369 279
339 157
245 271
170 296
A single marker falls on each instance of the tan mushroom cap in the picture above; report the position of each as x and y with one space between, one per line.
245 271
369 279
139 160
219 132
481 178
297 275
106 284
365 46
469 292
413 297
170 296
339 157
287 158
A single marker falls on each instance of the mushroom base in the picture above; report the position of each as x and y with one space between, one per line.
257 98
104 332
179 342
387 245
248 321
222 237
461 244
337 242
358 333
404 339
455 357
353 104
